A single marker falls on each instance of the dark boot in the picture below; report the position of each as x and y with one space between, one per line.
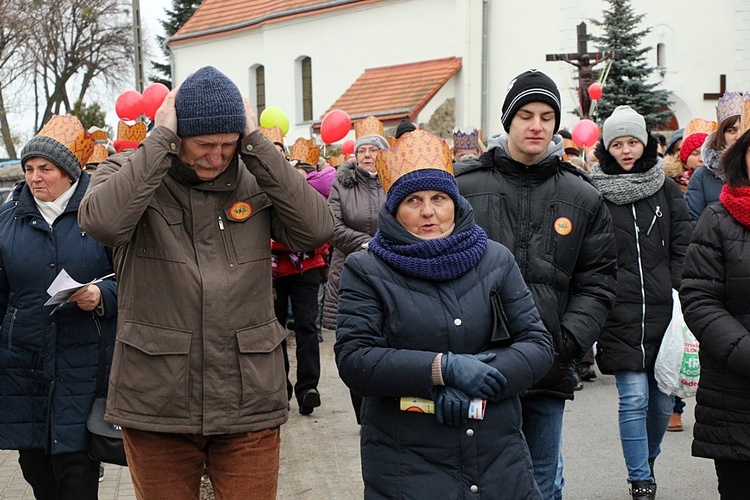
653 476
642 490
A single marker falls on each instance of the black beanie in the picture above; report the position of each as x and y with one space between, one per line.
404 127
530 86
208 103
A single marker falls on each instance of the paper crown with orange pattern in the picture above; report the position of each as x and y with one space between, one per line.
729 105
99 135
462 140
415 151
64 142
273 134
304 150
129 136
699 126
369 126
746 111
337 160
99 155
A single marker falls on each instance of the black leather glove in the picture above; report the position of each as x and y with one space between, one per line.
452 406
472 375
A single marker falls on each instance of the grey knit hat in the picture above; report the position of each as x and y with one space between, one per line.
51 150
530 86
373 140
208 103
624 121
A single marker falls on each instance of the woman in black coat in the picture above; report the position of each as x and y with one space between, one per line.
652 230
49 358
434 310
714 296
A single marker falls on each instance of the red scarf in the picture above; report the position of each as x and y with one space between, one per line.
737 201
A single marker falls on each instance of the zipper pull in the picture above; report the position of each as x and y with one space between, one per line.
221 224
658 211
653 221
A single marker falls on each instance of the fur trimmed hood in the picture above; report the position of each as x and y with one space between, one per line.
673 166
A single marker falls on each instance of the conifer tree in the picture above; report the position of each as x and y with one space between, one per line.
181 11
627 81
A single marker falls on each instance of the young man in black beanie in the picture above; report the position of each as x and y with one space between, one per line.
557 226
198 372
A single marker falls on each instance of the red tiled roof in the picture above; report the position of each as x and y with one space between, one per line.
395 92
221 17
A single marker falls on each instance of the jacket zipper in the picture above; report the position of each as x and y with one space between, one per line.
10 329
640 275
225 240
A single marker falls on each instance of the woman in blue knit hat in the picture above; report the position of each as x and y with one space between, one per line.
436 318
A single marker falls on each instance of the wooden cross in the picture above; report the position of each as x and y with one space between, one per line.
582 60
722 89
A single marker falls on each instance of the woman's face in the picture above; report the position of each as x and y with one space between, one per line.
428 214
46 180
366 157
694 160
626 151
732 133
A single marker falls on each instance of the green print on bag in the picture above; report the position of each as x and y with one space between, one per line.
690 369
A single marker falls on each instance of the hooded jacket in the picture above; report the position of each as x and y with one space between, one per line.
198 345
559 230
49 363
356 197
652 235
705 184
384 351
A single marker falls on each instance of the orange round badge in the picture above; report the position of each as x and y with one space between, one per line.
240 211
563 226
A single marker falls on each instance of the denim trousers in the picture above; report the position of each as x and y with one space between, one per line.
644 413
66 476
542 427
170 466
302 291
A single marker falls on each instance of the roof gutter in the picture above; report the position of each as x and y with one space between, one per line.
262 19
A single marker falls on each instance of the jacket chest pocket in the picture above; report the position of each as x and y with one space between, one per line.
244 229
563 227
160 233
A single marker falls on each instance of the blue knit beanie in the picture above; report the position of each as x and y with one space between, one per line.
425 179
208 103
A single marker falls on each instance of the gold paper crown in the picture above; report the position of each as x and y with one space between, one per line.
335 161
392 141
465 141
746 111
99 135
131 133
273 134
305 151
570 144
415 151
699 126
369 126
728 106
68 131
99 155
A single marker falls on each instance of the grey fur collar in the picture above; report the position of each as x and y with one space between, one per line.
349 174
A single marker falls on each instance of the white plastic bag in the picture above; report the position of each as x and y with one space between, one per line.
677 369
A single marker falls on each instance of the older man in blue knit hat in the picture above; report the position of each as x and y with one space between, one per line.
198 372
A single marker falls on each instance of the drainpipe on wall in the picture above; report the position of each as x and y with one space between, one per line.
485 72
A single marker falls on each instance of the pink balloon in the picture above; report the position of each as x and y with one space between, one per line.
585 133
153 96
348 147
129 105
595 91
335 125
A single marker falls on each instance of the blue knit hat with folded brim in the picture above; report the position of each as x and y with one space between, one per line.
208 103
425 179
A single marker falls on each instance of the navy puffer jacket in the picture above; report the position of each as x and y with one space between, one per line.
390 328
49 363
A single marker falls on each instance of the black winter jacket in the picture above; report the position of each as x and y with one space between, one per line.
390 327
560 232
714 296
652 235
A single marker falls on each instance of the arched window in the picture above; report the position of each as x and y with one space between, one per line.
260 88
661 58
306 87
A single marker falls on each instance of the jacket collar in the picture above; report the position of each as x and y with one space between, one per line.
349 174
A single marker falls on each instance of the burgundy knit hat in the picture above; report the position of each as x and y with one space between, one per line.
690 144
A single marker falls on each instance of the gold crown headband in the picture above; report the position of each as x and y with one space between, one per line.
415 151
305 151
369 126
699 126
68 131
273 134
728 106
746 111
465 141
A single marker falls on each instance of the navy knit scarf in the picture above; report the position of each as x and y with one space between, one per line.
442 259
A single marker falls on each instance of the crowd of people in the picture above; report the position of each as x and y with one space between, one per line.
471 290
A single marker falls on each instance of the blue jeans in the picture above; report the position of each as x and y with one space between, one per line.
542 426
644 415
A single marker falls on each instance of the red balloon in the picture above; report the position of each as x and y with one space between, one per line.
153 96
129 105
595 91
585 133
348 147
335 125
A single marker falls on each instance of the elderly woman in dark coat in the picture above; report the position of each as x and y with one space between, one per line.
435 310
714 295
49 362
